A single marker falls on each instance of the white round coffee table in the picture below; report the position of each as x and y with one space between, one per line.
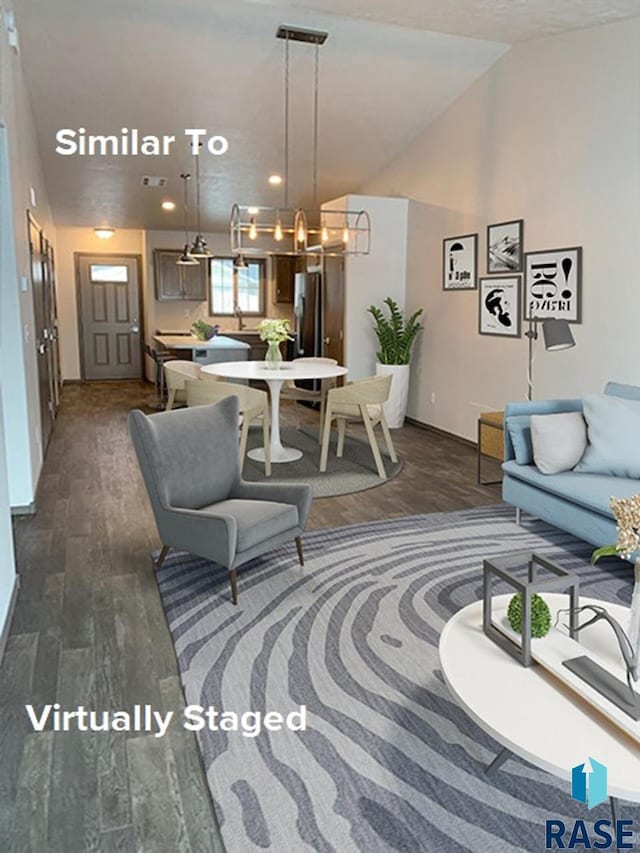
275 379
528 711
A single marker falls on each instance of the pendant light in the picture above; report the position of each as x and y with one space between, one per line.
199 248
278 233
186 259
292 230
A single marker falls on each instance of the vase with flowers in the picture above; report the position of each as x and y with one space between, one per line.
274 332
626 512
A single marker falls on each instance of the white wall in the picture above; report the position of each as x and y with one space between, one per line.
550 134
18 367
7 557
20 442
371 278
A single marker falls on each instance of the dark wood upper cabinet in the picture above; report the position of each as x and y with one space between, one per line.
195 280
284 276
176 282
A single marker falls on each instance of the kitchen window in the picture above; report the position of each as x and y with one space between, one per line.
242 286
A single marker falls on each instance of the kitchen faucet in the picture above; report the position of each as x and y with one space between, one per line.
237 311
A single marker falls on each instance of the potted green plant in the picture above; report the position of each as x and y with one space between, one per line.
204 331
396 338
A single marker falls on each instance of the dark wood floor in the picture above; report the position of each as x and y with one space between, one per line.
89 629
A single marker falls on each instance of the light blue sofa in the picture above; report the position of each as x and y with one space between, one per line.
572 501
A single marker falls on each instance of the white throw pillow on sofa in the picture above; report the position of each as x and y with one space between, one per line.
559 441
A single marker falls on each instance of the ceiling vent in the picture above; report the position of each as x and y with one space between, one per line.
151 181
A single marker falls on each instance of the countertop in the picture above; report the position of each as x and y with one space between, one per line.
191 342
228 333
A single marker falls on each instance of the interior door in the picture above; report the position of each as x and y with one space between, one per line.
109 309
54 346
333 332
42 333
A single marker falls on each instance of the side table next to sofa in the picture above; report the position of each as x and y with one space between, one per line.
490 442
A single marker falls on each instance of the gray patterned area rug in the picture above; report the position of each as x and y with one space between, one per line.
355 471
388 761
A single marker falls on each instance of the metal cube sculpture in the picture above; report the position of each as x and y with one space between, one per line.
542 576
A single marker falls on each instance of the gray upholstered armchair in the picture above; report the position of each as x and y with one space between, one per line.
189 462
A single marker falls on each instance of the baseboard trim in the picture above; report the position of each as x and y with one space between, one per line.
430 428
4 634
29 509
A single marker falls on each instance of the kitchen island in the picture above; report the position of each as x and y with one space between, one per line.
219 348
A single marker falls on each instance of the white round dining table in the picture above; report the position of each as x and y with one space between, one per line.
275 378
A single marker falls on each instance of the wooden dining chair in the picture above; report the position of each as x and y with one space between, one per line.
176 374
361 400
253 404
290 391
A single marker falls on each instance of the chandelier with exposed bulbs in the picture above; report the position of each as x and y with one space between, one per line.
260 230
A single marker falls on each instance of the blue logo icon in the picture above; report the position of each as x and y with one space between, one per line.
589 783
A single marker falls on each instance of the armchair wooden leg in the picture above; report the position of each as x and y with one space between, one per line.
299 547
233 579
161 556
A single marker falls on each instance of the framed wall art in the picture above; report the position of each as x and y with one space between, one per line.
553 284
460 262
499 306
505 241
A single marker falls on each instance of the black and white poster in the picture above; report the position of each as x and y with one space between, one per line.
460 262
553 284
499 306
505 246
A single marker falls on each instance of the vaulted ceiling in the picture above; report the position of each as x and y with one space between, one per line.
386 70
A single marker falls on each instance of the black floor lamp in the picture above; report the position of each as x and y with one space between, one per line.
557 336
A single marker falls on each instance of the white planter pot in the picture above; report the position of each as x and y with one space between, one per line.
396 406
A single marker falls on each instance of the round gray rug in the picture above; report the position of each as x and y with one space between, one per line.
355 472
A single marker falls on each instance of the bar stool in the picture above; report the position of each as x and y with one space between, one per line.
158 357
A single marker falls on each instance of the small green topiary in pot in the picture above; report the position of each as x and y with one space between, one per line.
540 615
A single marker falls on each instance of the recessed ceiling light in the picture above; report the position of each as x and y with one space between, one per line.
168 205
104 233
275 180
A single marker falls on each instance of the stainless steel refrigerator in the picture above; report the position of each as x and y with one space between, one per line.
307 305
308 314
